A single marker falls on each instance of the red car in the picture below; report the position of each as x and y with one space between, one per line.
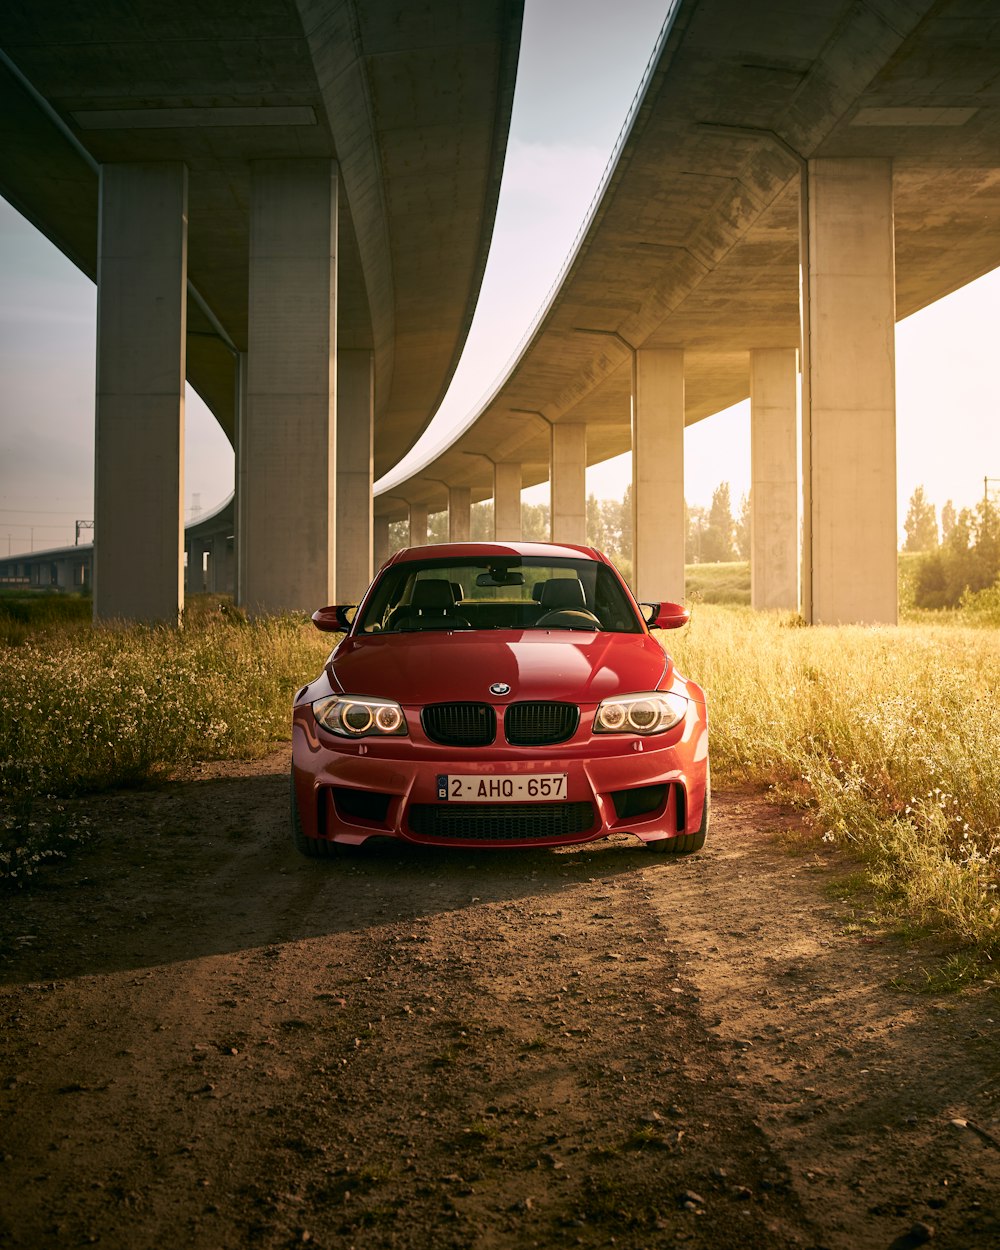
499 695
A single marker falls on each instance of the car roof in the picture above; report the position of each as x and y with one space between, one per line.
475 551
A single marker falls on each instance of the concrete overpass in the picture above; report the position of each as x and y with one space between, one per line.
290 204
856 144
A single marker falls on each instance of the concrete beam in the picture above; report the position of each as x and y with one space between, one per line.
507 501
141 327
658 475
355 425
849 395
380 541
774 486
288 443
568 483
459 514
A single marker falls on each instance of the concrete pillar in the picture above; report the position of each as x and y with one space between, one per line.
240 493
849 395
658 475
774 483
141 328
217 564
381 540
418 525
229 584
289 437
459 514
196 568
568 483
507 502
355 424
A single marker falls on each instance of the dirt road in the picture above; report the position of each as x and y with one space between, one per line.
210 1042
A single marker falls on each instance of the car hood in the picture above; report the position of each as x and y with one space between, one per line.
573 667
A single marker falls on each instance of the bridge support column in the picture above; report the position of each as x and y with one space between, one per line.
459 514
418 525
774 486
218 582
196 585
141 361
507 501
380 540
658 475
849 395
355 423
568 469
288 443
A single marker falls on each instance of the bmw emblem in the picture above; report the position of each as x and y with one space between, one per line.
499 687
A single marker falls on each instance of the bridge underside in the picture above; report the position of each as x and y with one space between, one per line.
756 141
401 110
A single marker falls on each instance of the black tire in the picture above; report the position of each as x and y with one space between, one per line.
687 843
314 848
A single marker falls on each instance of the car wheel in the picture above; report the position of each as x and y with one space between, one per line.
315 848
687 843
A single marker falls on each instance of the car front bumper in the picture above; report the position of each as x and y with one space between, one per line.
348 791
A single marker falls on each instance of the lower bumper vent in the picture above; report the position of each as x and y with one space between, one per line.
361 804
500 822
639 801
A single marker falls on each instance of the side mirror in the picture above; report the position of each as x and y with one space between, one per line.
666 615
335 619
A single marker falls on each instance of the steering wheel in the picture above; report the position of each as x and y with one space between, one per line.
569 616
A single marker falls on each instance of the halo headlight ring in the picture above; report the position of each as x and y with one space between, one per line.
653 712
358 716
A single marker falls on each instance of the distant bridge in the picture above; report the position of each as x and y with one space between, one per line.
209 560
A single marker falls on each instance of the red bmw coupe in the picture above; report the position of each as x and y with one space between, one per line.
499 695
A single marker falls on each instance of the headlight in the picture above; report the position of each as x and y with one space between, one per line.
352 716
652 713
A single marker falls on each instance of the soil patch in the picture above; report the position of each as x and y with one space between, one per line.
211 1042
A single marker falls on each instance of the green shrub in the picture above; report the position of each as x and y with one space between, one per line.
88 709
24 613
982 607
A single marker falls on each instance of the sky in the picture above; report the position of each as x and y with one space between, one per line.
575 84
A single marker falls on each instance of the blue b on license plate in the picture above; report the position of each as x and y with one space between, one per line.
510 788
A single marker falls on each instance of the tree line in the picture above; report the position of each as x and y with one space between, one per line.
713 534
960 559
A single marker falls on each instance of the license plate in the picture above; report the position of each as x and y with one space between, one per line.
509 788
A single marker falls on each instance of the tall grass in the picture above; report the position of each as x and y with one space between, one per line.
888 735
85 709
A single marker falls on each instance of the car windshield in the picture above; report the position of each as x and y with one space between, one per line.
505 591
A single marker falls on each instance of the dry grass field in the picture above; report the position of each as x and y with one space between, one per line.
885 737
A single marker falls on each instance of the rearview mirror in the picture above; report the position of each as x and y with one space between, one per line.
500 577
334 619
666 615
